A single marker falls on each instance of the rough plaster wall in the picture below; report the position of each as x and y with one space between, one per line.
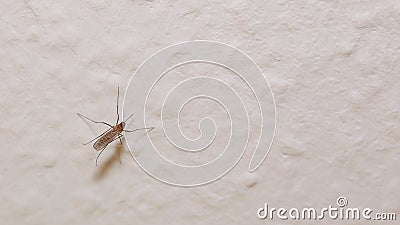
333 67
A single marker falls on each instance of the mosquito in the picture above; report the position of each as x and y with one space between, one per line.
111 134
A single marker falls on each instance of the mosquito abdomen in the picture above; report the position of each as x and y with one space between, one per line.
106 139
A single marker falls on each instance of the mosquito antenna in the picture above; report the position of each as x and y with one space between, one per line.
117 106
129 117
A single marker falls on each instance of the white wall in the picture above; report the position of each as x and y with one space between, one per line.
333 67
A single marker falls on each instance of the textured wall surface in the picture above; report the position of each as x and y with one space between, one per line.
333 67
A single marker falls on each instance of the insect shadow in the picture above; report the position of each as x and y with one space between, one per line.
111 134
106 165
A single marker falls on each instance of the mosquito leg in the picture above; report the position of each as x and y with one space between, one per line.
119 157
100 154
145 128
80 115
119 154
119 136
